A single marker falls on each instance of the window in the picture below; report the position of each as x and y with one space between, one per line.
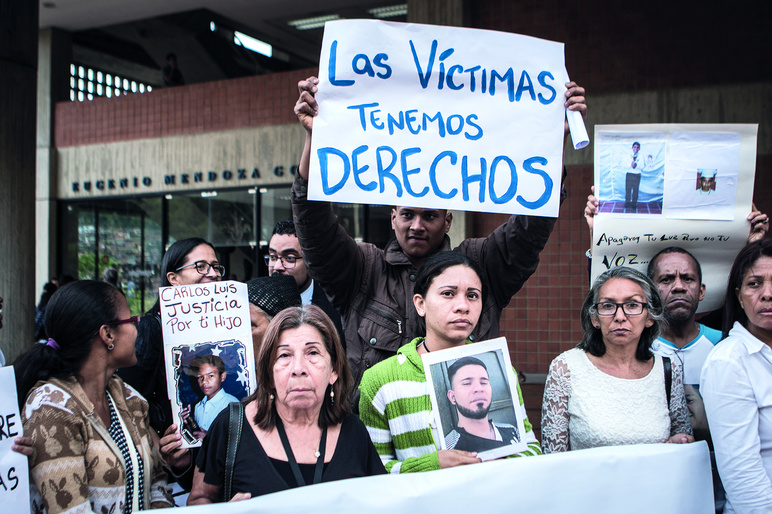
87 83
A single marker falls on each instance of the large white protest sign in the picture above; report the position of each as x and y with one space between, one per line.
613 479
439 117
14 469
208 352
695 192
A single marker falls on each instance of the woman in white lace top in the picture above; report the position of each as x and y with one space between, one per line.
610 390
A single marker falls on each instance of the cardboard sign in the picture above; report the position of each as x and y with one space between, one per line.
438 117
14 468
689 186
208 352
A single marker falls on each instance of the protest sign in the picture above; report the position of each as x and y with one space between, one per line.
689 186
14 468
474 399
625 479
438 117
208 351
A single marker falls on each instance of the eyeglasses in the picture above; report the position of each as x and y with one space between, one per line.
203 267
288 261
134 320
611 308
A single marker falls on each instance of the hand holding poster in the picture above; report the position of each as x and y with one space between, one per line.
688 186
440 117
208 351
14 469
474 397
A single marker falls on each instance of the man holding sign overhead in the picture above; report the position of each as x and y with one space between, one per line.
373 288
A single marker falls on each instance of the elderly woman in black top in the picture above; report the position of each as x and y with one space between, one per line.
298 426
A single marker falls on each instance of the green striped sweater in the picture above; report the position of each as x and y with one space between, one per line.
396 409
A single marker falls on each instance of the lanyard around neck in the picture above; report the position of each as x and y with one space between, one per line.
291 456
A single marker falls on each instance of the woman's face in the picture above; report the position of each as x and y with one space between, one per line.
755 297
124 337
302 369
189 276
622 329
452 305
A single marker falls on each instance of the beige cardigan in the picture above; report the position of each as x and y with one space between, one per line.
76 465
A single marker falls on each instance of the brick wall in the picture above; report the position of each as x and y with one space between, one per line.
205 107
623 46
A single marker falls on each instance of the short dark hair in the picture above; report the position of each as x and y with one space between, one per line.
73 317
285 228
673 249
636 143
592 338
747 257
460 363
212 360
175 256
332 413
439 262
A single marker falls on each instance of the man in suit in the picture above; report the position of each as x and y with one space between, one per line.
284 257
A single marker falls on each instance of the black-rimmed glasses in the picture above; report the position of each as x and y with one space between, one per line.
288 261
611 308
203 267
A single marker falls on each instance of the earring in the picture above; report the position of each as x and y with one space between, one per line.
270 397
332 397
110 347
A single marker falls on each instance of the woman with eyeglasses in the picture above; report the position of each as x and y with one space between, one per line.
93 447
186 262
611 389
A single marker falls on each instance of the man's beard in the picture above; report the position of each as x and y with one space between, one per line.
480 413
678 321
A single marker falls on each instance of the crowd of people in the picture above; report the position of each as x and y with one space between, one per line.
339 329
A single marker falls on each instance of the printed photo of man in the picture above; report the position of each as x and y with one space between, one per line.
471 394
210 373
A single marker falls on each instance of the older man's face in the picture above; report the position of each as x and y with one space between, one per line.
678 282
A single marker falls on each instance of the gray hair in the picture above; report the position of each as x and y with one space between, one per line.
592 339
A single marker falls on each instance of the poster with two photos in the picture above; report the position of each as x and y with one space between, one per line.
663 185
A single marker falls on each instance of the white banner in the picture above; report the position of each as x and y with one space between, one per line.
689 186
661 478
14 468
438 117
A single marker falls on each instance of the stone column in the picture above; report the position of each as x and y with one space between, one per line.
54 58
18 69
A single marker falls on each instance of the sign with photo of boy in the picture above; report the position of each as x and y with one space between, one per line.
473 394
208 352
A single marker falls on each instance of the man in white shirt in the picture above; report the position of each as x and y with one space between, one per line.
678 277
633 169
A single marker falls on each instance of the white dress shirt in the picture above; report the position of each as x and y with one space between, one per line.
736 385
